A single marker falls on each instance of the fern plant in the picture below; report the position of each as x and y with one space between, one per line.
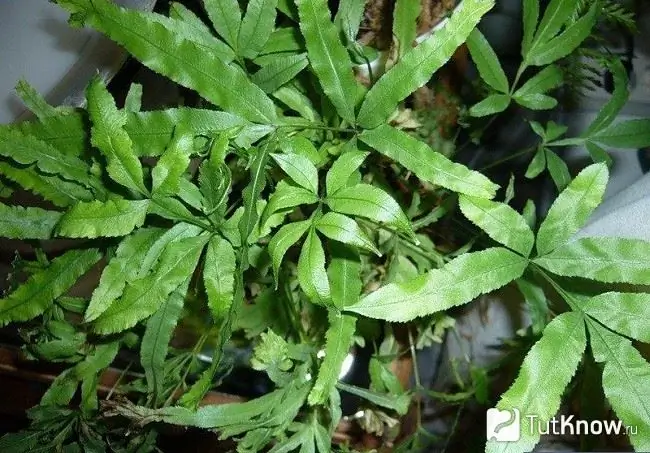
286 195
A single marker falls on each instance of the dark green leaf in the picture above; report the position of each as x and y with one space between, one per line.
537 164
558 169
41 289
545 80
610 110
344 274
530 17
399 404
171 166
536 101
286 196
348 17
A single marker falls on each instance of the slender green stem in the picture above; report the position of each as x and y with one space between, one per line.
416 376
510 157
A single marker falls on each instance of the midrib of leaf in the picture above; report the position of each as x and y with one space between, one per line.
613 357
583 258
186 63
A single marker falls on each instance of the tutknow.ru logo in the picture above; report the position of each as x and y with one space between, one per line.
505 426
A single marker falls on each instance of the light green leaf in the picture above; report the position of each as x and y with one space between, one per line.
625 375
283 40
188 26
218 276
565 43
545 80
611 109
95 219
286 196
605 259
500 222
285 237
311 270
558 169
343 167
155 341
343 229
41 289
329 59
64 131
494 103
543 368
405 15
364 200
297 102
487 62
122 268
60 192
348 17
145 296
338 340
398 403
17 222
626 313
416 67
536 101
172 209
302 146
428 164
190 194
133 101
556 14
537 164
152 131
572 208
176 233
537 304
625 134
252 192
458 282
300 170
530 17
161 49
28 150
171 166
109 136
34 101
279 71
256 27
344 274
225 16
